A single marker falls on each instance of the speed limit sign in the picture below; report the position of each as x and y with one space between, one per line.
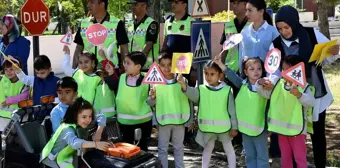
273 60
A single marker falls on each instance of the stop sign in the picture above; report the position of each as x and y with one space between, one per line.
96 34
35 16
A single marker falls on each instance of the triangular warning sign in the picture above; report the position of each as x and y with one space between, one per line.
67 39
154 75
296 74
200 9
201 49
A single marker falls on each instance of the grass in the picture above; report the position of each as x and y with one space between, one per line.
333 79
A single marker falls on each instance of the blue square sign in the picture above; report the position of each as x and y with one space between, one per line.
201 41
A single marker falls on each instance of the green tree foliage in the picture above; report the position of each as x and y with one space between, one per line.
119 8
276 4
221 16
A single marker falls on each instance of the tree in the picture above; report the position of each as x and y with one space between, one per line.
275 4
154 10
119 8
322 11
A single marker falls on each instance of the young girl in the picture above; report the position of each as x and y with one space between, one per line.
287 114
250 111
12 90
216 113
62 147
85 75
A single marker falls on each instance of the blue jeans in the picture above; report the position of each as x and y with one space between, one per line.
256 150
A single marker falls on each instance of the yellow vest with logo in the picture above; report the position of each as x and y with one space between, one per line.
64 158
250 111
87 85
213 115
232 58
104 101
110 42
138 40
285 115
172 105
131 103
9 89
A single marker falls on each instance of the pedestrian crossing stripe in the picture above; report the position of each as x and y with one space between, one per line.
201 49
154 76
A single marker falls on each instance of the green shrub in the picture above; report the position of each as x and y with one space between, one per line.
221 16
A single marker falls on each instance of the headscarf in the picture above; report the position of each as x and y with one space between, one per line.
12 29
290 16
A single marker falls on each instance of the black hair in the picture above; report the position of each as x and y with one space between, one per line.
212 64
259 5
77 107
67 82
253 60
7 64
292 60
137 57
92 57
106 2
165 55
42 62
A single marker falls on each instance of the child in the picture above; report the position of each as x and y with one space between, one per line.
85 74
61 148
12 90
173 110
216 113
44 83
250 111
288 113
132 110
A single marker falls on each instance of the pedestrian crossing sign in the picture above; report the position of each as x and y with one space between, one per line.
67 39
201 41
154 75
296 74
200 9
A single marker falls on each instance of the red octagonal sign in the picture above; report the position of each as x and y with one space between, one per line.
35 16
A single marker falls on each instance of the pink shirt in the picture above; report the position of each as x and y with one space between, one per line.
132 80
16 99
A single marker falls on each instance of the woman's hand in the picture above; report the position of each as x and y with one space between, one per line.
334 50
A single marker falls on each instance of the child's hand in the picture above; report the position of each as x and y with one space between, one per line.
109 69
219 62
103 146
191 127
102 54
233 133
268 85
181 81
153 93
97 136
66 50
4 104
261 81
294 91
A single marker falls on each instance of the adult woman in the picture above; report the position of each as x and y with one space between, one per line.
258 36
298 40
13 43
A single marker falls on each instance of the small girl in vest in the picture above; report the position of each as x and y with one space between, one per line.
173 113
216 113
287 115
85 74
250 110
12 90
63 146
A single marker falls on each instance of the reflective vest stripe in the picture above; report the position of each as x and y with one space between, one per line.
133 117
250 126
173 116
6 112
285 125
214 122
67 164
107 110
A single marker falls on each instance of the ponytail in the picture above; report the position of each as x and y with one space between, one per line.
267 18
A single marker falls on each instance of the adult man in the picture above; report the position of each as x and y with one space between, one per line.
233 27
177 32
117 36
143 32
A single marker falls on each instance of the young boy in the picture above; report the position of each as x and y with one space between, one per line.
173 112
44 83
132 110
67 90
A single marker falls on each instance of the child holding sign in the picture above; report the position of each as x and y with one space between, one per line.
12 90
250 110
173 111
216 113
287 115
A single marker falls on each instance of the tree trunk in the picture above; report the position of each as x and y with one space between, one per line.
154 10
86 10
323 17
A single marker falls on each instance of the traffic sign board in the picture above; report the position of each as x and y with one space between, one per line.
96 34
67 39
296 74
201 40
154 75
273 60
200 9
35 16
